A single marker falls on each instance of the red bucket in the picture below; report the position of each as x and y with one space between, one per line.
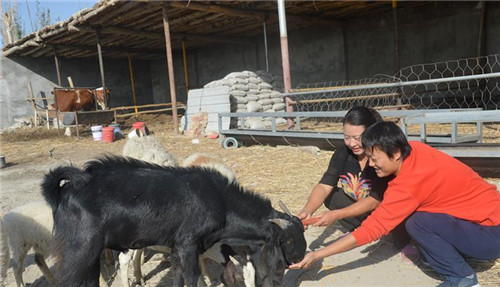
140 126
108 134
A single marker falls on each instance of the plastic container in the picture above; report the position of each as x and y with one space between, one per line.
117 132
108 134
96 132
140 126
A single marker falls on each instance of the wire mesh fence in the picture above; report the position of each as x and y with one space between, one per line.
471 83
455 87
464 93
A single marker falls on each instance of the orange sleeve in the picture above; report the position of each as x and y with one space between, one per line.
396 206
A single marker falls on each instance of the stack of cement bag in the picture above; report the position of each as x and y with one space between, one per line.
253 92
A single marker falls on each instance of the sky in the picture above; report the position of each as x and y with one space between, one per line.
61 9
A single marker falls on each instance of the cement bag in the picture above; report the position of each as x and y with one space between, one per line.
240 100
252 98
279 107
240 75
240 87
254 123
238 93
266 102
252 86
265 85
264 96
253 106
254 80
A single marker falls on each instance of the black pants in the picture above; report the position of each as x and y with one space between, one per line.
338 199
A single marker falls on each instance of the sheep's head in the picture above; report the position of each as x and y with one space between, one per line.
239 272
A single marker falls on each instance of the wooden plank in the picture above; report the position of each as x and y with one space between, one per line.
148 112
33 105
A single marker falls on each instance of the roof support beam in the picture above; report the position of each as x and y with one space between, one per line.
219 9
250 13
110 49
156 36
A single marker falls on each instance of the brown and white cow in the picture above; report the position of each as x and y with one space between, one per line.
80 99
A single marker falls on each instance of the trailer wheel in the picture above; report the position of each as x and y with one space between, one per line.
230 142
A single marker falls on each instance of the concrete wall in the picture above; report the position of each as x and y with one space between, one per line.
436 32
41 73
433 32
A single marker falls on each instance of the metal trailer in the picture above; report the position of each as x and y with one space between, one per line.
469 148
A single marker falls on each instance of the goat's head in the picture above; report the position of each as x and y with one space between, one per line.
291 238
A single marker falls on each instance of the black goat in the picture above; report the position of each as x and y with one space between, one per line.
121 203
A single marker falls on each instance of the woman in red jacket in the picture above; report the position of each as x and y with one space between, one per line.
451 211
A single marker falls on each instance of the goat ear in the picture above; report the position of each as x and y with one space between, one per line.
282 223
235 262
285 209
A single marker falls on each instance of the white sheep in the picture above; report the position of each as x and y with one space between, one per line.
25 227
22 228
148 148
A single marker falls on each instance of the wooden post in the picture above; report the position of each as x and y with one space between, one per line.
481 34
70 81
396 44
168 45
184 58
57 113
265 45
101 68
56 60
132 82
396 37
33 105
76 122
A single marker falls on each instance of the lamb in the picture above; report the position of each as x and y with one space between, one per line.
191 209
148 148
239 272
25 227
22 228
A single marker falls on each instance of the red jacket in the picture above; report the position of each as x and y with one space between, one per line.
432 181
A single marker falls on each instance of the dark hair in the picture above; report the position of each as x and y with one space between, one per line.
387 137
361 116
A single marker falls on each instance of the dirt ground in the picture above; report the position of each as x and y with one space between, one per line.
275 172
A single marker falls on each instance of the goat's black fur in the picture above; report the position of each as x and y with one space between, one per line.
122 203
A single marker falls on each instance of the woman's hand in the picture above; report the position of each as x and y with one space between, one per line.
304 214
328 218
308 260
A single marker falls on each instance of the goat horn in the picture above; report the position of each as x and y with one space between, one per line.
235 262
285 209
282 223
68 161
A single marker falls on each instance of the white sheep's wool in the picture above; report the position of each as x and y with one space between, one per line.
249 274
